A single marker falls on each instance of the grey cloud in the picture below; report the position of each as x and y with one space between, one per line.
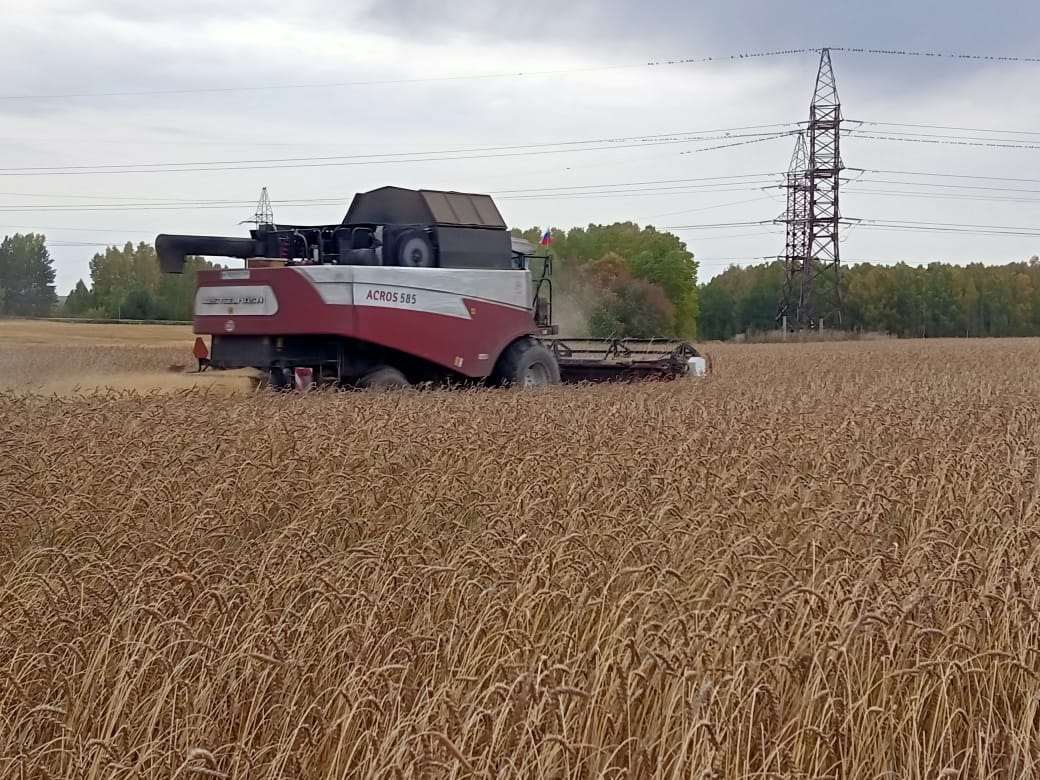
190 11
607 29
675 29
683 26
573 24
724 26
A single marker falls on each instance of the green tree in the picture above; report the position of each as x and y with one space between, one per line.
718 316
616 304
113 274
945 314
865 299
79 301
644 309
176 292
127 282
658 258
27 276
761 297
739 299
140 304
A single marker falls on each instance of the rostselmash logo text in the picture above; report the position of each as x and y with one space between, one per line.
232 301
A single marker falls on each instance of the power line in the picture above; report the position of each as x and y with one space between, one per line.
943 175
549 194
627 194
921 229
517 74
938 227
705 208
950 227
303 162
948 196
751 182
692 189
306 203
344 160
76 229
750 223
731 236
640 183
945 136
734 182
618 142
936 54
942 186
484 152
515 150
954 224
735 177
1004 131
238 142
950 142
418 80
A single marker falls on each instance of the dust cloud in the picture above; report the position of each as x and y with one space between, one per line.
570 313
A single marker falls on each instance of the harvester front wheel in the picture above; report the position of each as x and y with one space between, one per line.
526 363
383 378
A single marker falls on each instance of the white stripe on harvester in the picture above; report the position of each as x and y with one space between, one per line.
341 284
411 299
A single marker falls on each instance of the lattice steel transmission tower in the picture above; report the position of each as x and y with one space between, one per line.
791 309
264 211
812 285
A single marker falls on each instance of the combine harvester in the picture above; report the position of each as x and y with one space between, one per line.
413 287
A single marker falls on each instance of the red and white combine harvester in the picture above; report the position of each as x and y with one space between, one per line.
414 286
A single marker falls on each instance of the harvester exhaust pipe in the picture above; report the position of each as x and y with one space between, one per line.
174 250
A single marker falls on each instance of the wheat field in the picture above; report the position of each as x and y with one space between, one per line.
820 562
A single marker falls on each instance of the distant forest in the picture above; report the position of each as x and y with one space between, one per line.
935 300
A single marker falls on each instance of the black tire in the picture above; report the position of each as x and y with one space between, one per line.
527 363
384 378
413 249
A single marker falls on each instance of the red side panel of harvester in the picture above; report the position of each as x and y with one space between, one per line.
458 319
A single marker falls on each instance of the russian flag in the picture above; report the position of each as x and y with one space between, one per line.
546 237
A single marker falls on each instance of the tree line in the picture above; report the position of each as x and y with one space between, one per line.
618 280
125 283
928 301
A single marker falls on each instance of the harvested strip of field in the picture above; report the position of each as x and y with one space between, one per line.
17 332
820 562
96 370
74 359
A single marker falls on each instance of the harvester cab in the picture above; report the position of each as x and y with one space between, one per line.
525 256
412 286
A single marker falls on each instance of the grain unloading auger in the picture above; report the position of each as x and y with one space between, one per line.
412 287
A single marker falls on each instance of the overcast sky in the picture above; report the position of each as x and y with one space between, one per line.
594 134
